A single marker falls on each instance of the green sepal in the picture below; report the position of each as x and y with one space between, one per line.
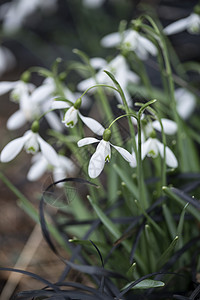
106 134
35 126
77 104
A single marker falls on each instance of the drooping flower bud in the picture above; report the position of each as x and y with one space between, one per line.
35 126
77 104
107 134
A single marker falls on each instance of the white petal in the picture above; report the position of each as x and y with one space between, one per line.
69 95
186 102
132 77
12 149
59 105
6 86
177 26
145 148
94 125
48 152
87 141
54 121
37 169
171 160
98 62
85 84
93 3
98 159
148 45
126 155
71 117
16 120
169 126
42 92
66 164
7 59
111 40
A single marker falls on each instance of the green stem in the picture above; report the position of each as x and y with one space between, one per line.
169 76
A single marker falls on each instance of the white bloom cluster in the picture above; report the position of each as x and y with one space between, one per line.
37 102
118 67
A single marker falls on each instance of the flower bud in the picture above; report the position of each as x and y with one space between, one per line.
197 9
107 134
77 104
35 126
26 76
153 134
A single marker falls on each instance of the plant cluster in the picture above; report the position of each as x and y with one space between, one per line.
124 156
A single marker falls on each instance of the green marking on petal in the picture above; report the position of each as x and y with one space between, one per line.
70 124
31 150
107 158
152 153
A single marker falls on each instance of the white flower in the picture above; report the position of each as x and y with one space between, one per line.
28 111
42 98
44 91
32 143
152 147
71 116
103 155
185 102
7 60
33 102
169 128
40 165
119 68
93 3
16 12
130 40
18 89
190 23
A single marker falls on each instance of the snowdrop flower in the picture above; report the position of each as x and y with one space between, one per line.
16 12
40 165
28 111
190 23
7 60
103 153
41 97
32 143
44 91
17 88
130 40
119 68
169 127
152 147
93 3
185 102
33 102
70 118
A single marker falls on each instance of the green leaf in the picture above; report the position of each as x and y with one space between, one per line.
108 223
191 209
145 284
127 180
166 254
